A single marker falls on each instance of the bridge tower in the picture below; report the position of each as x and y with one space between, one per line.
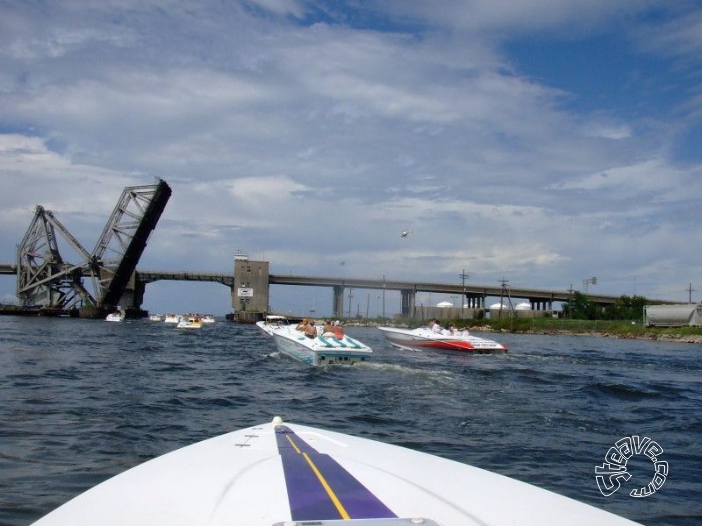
251 284
44 278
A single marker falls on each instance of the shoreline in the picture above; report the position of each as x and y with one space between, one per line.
664 337
649 334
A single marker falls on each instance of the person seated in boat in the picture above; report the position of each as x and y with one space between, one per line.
311 329
450 330
434 326
338 330
302 326
462 332
328 329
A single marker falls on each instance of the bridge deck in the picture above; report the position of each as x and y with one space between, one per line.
149 276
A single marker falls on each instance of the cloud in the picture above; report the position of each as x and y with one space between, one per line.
517 16
280 7
653 179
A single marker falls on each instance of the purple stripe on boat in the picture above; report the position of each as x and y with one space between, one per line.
308 498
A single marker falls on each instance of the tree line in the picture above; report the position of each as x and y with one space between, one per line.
625 308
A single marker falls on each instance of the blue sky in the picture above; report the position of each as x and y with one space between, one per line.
540 141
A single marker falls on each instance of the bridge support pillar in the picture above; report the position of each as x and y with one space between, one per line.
408 302
133 295
474 301
338 301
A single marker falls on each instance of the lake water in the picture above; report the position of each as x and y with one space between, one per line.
82 400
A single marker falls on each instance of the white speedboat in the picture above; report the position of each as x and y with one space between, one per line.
117 315
155 317
208 318
171 318
189 322
321 350
278 474
271 322
423 338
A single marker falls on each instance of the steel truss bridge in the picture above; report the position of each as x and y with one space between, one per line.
98 279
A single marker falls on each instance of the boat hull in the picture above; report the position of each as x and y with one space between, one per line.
280 473
189 323
419 339
321 350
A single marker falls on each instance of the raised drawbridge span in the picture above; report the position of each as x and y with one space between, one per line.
97 281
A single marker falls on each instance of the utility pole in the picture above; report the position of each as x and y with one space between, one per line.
570 302
690 290
383 296
505 291
463 277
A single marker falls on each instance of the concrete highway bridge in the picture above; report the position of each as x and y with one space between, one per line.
251 281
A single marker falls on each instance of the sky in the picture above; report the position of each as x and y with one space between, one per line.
544 142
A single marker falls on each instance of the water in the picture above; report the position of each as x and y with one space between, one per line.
82 400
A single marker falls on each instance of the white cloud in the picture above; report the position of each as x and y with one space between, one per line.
518 15
654 178
281 7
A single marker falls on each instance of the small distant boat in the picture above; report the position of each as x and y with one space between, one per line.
321 350
423 338
271 323
171 318
155 317
280 473
189 322
117 315
208 318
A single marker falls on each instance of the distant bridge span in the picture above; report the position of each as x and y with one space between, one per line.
149 276
534 295
474 295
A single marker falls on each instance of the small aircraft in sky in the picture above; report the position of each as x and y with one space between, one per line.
405 233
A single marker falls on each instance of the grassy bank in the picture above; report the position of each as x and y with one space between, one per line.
614 328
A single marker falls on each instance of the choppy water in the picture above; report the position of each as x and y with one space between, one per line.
83 400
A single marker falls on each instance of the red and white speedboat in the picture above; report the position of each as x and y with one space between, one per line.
423 338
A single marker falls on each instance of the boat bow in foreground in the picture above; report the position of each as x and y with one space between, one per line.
423 338
279 474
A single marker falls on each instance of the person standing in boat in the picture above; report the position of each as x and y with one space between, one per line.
302 326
